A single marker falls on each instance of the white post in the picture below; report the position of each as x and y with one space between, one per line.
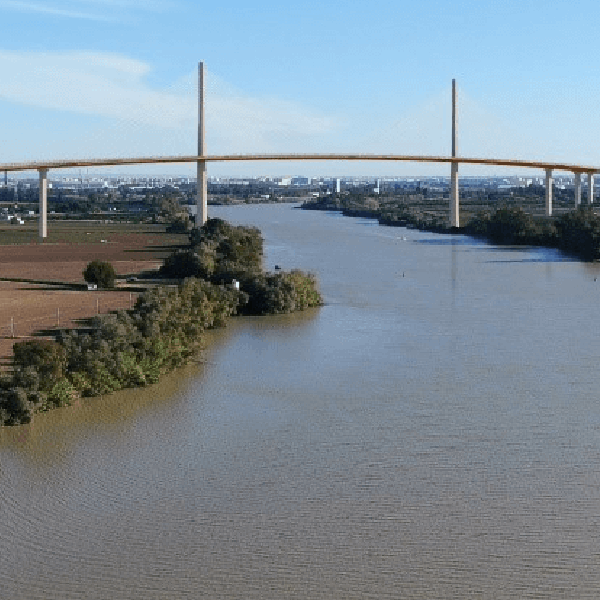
454 197
590 198
577 190
201 192
43 227
548 192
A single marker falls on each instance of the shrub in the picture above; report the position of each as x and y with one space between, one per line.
579 233
62 393
277 293
18 406
39 364
220 253
101 273
5 416
182 264
510 226
180 224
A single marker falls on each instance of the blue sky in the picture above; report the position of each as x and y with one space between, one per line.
103 78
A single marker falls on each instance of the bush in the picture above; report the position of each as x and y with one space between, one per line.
220 252
510 226
278 293
18 406
39 364
101 273
62 393
579 233
182 264
180 224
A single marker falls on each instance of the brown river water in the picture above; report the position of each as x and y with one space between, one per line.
432 432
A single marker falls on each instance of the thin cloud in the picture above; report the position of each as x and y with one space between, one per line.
483 132
34 7
79 9
115 87
156 5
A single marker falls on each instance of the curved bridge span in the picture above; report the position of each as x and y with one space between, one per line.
107 162
202 158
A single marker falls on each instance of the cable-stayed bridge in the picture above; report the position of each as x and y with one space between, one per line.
201 160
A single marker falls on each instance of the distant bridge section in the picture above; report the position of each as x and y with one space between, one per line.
107 162
202 158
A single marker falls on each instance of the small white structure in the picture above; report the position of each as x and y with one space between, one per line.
92 287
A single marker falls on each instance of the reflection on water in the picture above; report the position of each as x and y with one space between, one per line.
430 435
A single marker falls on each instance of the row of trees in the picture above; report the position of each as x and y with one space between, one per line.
576 232
124 349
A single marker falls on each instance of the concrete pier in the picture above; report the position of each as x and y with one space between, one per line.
577 190
43 222
454 196
201 192
548 192
590 198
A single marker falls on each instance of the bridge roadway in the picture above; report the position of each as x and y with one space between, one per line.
43 166
104 162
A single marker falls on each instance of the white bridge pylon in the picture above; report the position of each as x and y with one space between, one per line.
202 158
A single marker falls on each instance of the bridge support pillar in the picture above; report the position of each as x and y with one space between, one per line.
43 228
577 190
201 190
201 194
454 197
590 198
548 192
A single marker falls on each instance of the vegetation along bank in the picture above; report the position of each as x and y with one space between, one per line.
576 232
220 274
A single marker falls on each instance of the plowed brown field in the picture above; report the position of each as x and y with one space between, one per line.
39 304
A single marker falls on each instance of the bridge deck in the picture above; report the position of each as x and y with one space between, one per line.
104 162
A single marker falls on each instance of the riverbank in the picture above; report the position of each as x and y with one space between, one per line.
576 232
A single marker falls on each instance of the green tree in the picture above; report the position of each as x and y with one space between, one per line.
579 233
47 358
510 226
101 273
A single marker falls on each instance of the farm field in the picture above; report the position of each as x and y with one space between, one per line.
32 299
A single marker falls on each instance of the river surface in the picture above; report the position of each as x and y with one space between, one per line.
432 432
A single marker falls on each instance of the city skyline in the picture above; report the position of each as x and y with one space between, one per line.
104 78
